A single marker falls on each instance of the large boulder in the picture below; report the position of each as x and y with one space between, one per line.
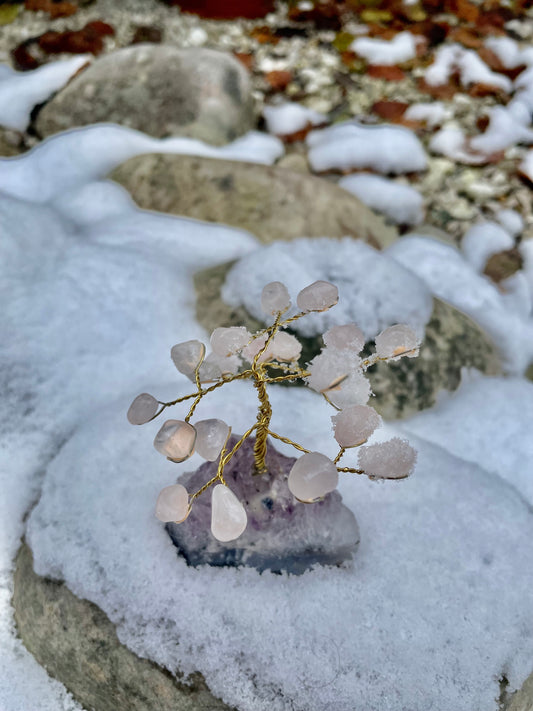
270 202
452 342
78 644
160 90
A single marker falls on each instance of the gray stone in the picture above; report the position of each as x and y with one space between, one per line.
160 90
9 143
282 534
77 644
452 342
272 203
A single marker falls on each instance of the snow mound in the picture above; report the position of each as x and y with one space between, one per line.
349 145
483 240
401 48
449 276
402 204
290 117
20 92
359 271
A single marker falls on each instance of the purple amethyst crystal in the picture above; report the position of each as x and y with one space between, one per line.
282 534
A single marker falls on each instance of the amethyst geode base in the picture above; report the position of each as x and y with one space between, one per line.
282 534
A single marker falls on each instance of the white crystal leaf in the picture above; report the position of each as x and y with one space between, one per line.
228 516
187 356
354 425
210 438
175 440
142 409
172 504
347 337
228 341
319 296
275 298
397 341
394 459
312 476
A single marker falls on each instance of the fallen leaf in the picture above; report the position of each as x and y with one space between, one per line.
54 9
504 264
88 39
264 35
246 58
444 92
480 91
228 10
8 13
378 71
278 80
390 110
466 36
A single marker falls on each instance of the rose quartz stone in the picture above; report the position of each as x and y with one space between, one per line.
347 337
319 296
312 476
175 440
228 517
187 356
228 341
142 409
211 436
172 504
285 347
275 298
354 425
397 341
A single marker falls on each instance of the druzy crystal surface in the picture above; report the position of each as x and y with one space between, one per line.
282 534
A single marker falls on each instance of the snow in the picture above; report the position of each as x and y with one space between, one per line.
94 294
483 240
434 632
82 290
511 221
20 92
452 58
487 421
450 277
290 117
508 52
526 166
402 204
349 145
401 48
52 172
434 113
451 142
504 130
358 270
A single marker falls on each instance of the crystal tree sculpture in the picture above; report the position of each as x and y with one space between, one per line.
266 357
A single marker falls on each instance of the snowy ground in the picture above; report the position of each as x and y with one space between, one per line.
96 293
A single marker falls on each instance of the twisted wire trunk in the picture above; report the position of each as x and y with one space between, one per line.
264 415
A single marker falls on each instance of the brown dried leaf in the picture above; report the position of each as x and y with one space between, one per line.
278 80
503 265
246 58
378 71
54 9
264 35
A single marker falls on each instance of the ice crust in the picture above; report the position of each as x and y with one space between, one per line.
290 117
400 48
358 270
424 618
